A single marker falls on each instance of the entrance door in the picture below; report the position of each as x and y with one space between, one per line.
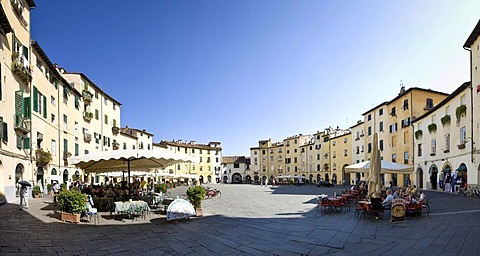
420 178
433 178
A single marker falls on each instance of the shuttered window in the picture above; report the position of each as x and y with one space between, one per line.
35 99
44 106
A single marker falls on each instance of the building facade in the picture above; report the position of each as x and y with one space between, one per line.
235 169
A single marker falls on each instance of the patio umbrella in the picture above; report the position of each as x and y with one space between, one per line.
120 160
386 167
375 168
25 183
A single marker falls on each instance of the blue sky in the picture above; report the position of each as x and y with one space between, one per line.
242 71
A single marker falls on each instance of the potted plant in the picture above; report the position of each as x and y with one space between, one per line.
446 120
49 188
36 192
432 127
460 111
418 134
161 188
72 204
196 195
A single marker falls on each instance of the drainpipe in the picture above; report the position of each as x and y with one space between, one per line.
471 106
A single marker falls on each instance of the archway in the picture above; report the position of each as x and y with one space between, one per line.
334 178
319 177
65 176
461 178
420 178
40 174
248 179
433 176
236 178
310 177
327 179
77 175
18 177
357 178
225 179
209 179
200 179
256 178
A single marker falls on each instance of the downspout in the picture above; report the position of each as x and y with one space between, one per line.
413 135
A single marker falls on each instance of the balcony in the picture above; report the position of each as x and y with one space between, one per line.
21 67
116 146
87 96
357 138
87 116
17 7
115 130
87 137
22 124
461 146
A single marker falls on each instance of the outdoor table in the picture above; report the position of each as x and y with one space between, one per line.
130 207
153 200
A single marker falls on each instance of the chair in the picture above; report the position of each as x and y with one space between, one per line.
326 205
376 207
91 213
411 209
361 209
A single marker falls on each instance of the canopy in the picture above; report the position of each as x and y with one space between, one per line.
119 160
120 174
386 167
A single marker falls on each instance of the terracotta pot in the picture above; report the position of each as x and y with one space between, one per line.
70 217
199 212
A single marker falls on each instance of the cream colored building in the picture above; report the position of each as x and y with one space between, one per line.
235 169
341 157
15 90
207 169
473 45
442 142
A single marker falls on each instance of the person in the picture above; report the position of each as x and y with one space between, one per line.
55 190
414 190
387 203
273 183
421 198
396 194
23 197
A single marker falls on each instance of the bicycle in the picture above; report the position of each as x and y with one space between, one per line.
213 193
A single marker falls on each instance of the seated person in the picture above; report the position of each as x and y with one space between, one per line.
396 194
414 190
421 198
387 203
110 193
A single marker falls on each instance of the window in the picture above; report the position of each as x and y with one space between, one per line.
65 146
405 157
334 154
393 127
96 95
434 147
65 122
405 105
334 142
96 114
105 101
318 156
263 152
393 112
53 119
369 117
463 100
77 149
394 158
106 119
345 152
463 135
406 138
369 132
447 110
381 126
53 101
114 106
394 141
429 104
381 145
54 148
114 123
419 149
380 112
345 140
369 148
75 128
447 143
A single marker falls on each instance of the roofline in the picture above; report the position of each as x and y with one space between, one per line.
473 36
52 67
460 89
138 130
94 85
370 110
205 146
339 136
359 123
159 145
406 92
128 135
31 3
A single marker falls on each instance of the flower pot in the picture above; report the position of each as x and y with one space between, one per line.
70 217
199 212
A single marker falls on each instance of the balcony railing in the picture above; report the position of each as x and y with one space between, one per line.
87 137
22 124
87 116
18 9
21 67
87 96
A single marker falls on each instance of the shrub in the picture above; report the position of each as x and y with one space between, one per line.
460 111
432 128
49 187
196 195
72 201
161 188
446 120
36 190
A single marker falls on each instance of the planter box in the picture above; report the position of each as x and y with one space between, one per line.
69 217
199 212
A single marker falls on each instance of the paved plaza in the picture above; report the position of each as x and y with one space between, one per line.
248 220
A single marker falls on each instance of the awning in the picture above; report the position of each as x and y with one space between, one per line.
447 170
462 168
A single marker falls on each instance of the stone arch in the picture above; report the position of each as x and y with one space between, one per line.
65 176
433 171
248 179
310 177
53 172
419 180
327 179
236 178
345 175
19 170
209 179
319 177
334 178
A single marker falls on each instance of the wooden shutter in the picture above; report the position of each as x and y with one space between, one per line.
19 141
44 106
35 99
26 142
5 132
18 103
27 108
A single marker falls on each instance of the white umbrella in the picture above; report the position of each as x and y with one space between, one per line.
386 167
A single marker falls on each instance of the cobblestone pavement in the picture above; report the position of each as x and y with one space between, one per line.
248 220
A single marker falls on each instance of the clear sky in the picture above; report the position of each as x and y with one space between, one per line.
242 71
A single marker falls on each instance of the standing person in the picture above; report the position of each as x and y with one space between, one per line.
56 190
23 197
273 183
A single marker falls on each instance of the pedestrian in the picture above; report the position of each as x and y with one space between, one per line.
273 183
23 197
343 182
55 190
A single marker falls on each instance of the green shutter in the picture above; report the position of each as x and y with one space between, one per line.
19 141
19 103
35 99
26 142
109 142
27 108
5 132
56 84
25 51
44 106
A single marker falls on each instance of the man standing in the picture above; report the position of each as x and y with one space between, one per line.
23 197
56 190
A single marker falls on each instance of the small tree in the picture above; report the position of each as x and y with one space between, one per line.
72 201
196 195
42 157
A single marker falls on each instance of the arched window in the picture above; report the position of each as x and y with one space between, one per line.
54 171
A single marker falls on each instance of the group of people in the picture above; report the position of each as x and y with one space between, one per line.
412 194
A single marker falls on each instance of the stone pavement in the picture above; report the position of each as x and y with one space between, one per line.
248 220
